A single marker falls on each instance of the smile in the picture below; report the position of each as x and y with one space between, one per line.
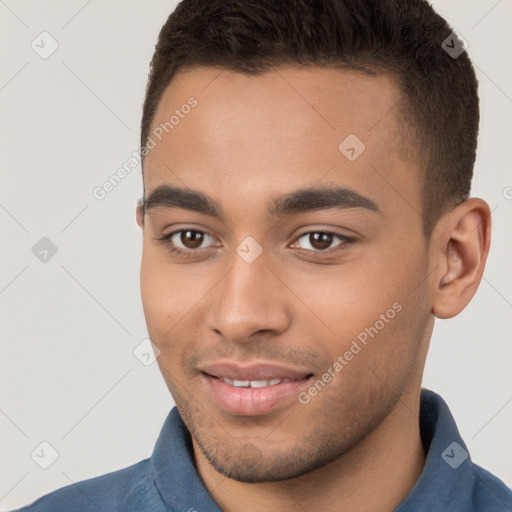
252 383
254 389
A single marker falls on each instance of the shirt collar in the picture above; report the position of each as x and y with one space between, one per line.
447 479
445 484
175 475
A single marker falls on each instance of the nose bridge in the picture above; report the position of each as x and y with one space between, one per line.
247 301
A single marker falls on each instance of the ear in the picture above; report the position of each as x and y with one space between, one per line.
139 214
461 243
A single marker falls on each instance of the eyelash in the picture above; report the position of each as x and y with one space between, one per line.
190 253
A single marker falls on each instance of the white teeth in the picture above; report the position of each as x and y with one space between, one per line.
241 383
259 383
252 383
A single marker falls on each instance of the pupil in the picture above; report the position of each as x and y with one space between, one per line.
191 239
320 240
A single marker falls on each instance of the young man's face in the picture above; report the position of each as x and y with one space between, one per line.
221 311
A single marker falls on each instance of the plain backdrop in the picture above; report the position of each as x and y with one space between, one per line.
69 325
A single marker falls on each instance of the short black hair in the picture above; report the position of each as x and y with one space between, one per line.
404 38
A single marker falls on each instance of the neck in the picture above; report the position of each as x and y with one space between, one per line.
375 475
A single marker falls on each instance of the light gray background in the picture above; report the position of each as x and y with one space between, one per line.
69 326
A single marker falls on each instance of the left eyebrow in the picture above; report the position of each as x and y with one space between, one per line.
321 198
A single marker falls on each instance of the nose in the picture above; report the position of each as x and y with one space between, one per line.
250 301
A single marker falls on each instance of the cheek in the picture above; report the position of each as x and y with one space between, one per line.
155 292
163 293
348 298
173 296
370 300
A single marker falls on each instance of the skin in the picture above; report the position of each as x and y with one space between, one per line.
250 140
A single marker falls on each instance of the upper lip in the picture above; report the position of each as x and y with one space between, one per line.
253 371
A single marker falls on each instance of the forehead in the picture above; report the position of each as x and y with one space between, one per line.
278 131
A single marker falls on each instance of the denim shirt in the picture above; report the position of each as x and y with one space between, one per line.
168 481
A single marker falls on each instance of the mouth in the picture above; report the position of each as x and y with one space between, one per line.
253 390
252 383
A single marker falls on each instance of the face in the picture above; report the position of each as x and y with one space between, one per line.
284 265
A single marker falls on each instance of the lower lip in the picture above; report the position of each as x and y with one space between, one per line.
254 401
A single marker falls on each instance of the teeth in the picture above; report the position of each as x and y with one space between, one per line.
253 383
241 383
259 383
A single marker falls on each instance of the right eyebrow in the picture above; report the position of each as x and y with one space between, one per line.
165 196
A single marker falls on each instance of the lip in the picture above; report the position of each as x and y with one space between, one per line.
247 401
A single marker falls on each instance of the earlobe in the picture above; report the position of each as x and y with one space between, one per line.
463 245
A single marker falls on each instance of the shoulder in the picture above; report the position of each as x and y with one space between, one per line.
490 493
127 489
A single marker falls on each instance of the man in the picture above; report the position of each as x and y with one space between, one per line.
306 216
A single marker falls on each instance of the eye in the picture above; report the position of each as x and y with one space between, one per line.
321 241
187 240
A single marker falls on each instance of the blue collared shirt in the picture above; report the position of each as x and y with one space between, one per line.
168 481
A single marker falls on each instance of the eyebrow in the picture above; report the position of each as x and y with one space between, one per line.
165 196
300 201
321 198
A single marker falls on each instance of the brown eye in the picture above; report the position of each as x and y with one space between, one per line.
191 239
188 242
320 241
